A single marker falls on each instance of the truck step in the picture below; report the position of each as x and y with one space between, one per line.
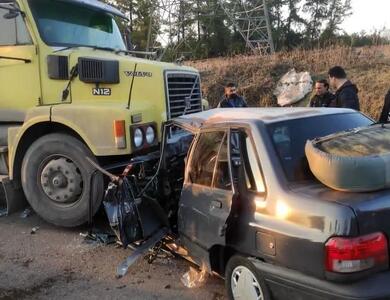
3 160
12 198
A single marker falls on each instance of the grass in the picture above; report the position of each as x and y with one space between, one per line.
256 76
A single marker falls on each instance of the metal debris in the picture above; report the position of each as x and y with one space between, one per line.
159 251
139 251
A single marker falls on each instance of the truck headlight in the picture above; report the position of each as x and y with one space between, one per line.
138 137
143 135
150 135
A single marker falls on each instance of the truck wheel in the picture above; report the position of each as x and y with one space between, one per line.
56 180
243 281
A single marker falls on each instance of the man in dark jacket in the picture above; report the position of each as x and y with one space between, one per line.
230 98
385 115
346 95
322 97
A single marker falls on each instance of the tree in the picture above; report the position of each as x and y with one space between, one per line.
292 35
142 14
338 10
203 29
277 21
318 13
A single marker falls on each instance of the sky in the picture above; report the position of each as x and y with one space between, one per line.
368 15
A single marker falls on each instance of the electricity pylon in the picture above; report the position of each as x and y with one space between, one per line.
251 20
249 17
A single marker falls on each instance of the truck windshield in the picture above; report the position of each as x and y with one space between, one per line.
66 24
289 139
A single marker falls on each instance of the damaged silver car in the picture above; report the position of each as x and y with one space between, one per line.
232 187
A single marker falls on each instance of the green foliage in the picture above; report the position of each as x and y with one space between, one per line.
201 29
318 12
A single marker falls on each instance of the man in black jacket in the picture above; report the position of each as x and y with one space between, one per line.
385 115
230 98
346 95
322 97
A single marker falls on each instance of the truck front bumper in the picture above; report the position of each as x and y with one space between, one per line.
289 284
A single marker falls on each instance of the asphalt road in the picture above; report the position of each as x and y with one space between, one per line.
57 263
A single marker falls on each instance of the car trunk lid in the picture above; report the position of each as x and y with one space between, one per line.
372 209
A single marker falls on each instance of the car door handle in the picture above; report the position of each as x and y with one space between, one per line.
216 204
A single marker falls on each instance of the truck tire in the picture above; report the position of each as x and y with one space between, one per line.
56 180
243 281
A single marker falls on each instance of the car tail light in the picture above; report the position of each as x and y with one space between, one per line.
348 255
120 134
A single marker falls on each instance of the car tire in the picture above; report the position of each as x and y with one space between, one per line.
244 281
56 180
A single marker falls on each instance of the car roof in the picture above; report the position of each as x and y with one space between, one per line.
247 115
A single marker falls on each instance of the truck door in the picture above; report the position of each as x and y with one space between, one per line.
207 194
19 68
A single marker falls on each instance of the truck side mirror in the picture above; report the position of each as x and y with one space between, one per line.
13 10
12 14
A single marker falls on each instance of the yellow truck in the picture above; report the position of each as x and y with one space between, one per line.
70 90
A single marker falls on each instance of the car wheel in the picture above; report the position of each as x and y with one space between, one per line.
56 180
243 281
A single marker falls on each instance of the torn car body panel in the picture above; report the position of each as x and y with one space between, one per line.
235 183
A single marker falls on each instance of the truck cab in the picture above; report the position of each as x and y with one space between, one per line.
70 90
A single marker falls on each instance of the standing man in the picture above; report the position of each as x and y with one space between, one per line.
322 97
346 93
230 98
385 115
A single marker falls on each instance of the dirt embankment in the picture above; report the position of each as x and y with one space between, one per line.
257 76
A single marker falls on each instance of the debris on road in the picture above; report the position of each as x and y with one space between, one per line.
139 251
159 251
194 278
26 263
26 213
34 230
99 237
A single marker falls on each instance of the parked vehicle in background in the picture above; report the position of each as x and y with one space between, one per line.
69 89
250 209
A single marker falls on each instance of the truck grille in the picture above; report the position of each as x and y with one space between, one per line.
184 94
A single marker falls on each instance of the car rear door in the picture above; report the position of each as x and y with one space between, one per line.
207 193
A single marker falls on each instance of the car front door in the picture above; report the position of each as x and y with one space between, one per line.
207 194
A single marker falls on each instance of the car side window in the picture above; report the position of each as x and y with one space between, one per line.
205 156
222 172
13 30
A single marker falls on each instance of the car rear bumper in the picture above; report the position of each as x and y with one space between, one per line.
289 284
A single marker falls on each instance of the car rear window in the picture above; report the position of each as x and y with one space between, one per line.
289 139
